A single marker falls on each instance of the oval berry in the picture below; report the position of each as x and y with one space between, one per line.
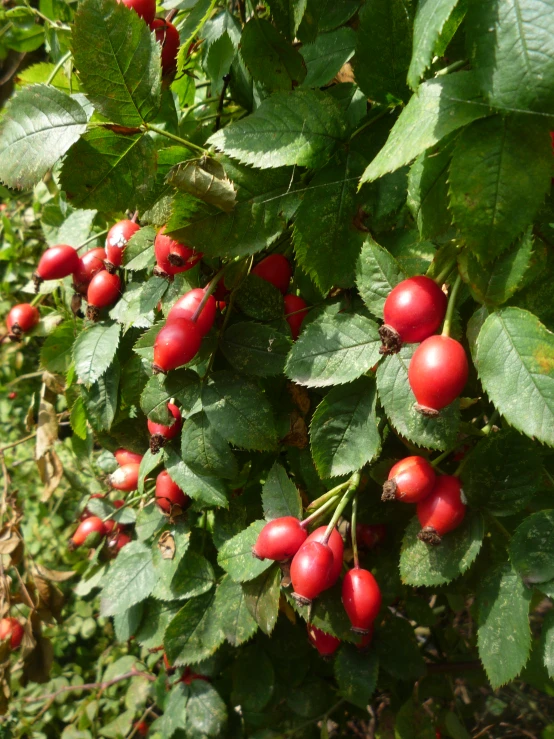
145 9
410 480
159 433
413 310
442 511
104 289
275 269
117 238
118 541
173 257
21 319
176 344
280 539
11 629
89 532
361 598
369 535
91 263
326 644
57 262
169 494
168 36
296 310
310 571
124 456
125 477
437 374
186 307
337 548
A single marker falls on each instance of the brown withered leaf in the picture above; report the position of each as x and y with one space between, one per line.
47 426
54 383
345 73
5 692
206 179
54 575
50 469
28 642
166 545
298 434
50 600
37 664
300 397
9 540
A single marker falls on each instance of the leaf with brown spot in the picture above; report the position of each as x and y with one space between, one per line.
166 545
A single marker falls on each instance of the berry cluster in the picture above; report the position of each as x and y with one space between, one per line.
166 33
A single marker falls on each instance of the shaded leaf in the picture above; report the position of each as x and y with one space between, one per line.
236 558
280 496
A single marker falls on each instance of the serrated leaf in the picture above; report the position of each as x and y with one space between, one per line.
356 674
78 419
206 180
152 629
76 228
302 127
128 312
428 191
118 61
440 106
236 622
280 496
100 399
139 252
424 565
287 15
193 577
179 537
397 650
195 632
532 548
547 639
149 520
205 451
255 349
430 19
262 598
253 679
334 350
504 636
377 273
126 624
207 490
130 580
413 722
269 57
326 613
206 713
514 357
174 714
236 558
218 59
39 125
55 353
94 350
182 384
398 401
499 174
344 433
326 56
259 299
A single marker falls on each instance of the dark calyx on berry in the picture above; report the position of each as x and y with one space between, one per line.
391 343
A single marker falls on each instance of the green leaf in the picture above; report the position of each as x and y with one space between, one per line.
325 15
152 629
207 490
78 419
499 175
515 361
239 410
94 350
100 399
139 252
430 19
128 311
205 180
255 349
262 598
504 636
441 106
259 299
39 125
193 577
326 613
130 579
126 624
287 15
502 473
356 674
174 714
326 55
76 228
302 127
424 565
166 568
150 519
377 272
270 58
532 548
253 679
205 712
398 401
118 61
413 722
195 632
182 384
280 496
236 558
547 639
428 191
383 50
397 649
55 353
344 433
334 350
204 450
109 171
236 622
218 58
514 41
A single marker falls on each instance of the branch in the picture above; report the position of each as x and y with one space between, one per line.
16 443
91 686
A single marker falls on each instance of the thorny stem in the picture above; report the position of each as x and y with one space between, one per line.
450 309
353 534
346 498
184 142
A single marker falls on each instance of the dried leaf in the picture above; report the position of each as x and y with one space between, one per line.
166 545
298 434
300 397
206 180
51 472
9 541
38 663
54 575
47 428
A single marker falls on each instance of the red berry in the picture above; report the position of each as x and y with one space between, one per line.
168 36
118 541
275 269
442 511
173 257
169 494
186 306
117 238
310 571
125 477
413 310
57 262
141 727
410 480
361 598
369 535
437 373
176 344
326 644
295 313
91 263
89 532
146 9
11 629
104 289
365 639
12 395
21 319
337 548
280 539
124 456
160 433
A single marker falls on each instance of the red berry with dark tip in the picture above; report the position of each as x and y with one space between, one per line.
442 511
176 344
124 456
160 433
104 290
361 599
337 548
173 257
326 644
125 477
370 535
275 269
117 238
169 494
89 532
280 539
11 629
437 373
310 571
413 310
168 36
57 262
186 307
21 319
91 263
296 310
410 480
146 9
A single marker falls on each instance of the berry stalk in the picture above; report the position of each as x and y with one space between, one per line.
207 292
331 503
353 533
450 308
346 498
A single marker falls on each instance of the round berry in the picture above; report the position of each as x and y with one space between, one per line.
280 539
145 9
337 548
89 532
186 307
104 290
310 571
296 310
326 644
118 541
176 344
437 374
442 511
361 599
91 263
117 238
275 269
410 480
21 319
125 477
369 535
159 433
124 456
57 262
173 257
11 629
168 36
169 494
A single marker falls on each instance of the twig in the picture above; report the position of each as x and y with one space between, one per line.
15 443
442 667
91 686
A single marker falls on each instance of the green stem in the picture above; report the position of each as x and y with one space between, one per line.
450 309
346 498
492 420
353 534
323 509
452 67
326 496
209 291
441 277
184 142
367 124
57 68
92 238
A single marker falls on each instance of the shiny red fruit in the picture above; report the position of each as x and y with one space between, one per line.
58 262
414 310
117 238
168 36
186 307
104 289
91 263
337 548
369 535
295 313
442 511
326 644
166 432
410 480
310 571
280 539
438 373
275 269
169 494
125 477
361 599
176 344
146 9
124 456
365 639
22 318
173 257
89 532
141 728
118 541
11 629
